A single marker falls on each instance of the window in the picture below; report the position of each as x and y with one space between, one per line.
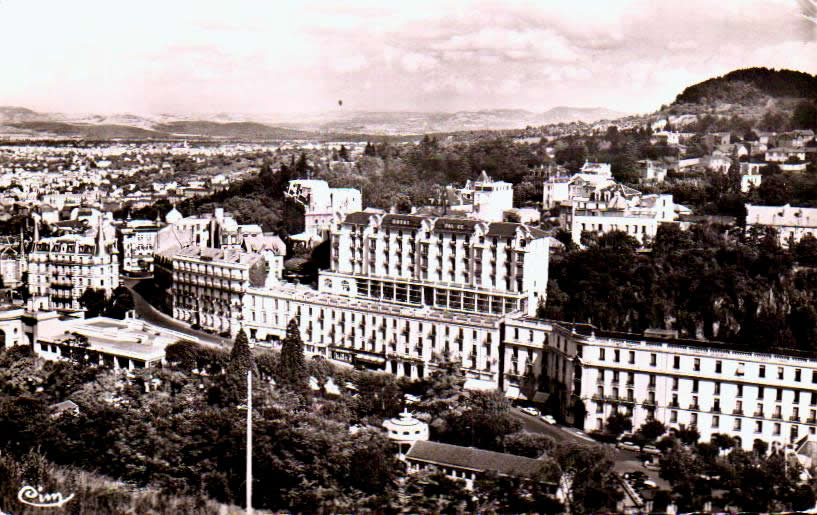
632 357
779 395
676 362
739 370
762 371
716 421
718 367
697 365
797 374
797 397
674 400
740 390
601 354
776 431
673 417
759 411
760 392
616 355
717 388
652 380
759 426
780 373
675 383
653 360
813 398
814 376
737 425
694 386
693 419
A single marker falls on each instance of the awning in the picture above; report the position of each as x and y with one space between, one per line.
480 385
512 392
370 359
541 397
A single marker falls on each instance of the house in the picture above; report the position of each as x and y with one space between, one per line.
792 223
783 154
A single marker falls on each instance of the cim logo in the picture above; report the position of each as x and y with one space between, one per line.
39 499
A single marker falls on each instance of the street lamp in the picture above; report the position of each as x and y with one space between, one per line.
248 474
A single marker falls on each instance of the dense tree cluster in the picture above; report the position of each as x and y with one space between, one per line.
753 481
184 435
735 86
734 286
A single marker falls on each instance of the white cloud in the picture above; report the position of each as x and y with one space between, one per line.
414 62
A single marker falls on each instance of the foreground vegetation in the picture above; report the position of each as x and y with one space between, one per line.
179 432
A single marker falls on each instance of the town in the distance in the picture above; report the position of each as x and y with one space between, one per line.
589 316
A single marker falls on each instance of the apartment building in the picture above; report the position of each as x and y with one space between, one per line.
137 241
61 268
716 388
209 285
446 263
482 199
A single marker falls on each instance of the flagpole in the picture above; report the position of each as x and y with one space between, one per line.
249 441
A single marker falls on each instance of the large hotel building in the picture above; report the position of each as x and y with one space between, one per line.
404 293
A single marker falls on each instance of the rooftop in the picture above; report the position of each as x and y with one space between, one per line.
473 459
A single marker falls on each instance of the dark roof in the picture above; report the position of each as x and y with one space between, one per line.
459 225
358 218
504 229
471 458
403 221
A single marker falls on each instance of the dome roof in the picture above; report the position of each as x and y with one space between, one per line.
173 216
406 428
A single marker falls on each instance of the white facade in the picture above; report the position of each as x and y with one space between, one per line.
792 223
138 245
783 154
451 263
321 205
60 269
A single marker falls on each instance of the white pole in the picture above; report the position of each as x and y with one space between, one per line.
249 441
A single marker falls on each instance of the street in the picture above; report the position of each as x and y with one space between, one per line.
150 314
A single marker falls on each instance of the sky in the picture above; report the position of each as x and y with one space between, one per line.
198 56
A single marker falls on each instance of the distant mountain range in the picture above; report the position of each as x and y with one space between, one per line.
24 122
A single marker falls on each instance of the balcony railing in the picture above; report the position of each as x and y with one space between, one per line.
737 412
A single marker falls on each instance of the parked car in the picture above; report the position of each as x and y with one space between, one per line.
531 411
549 419
651 449
628 446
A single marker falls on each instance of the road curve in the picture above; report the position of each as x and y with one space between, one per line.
150 314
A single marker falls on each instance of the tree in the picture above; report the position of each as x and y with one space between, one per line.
93 301
240 356
587 478
618 423
804 116
722 441
651 430
343 153
514 493
292 371
525 443
434 492
120 303
688 435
